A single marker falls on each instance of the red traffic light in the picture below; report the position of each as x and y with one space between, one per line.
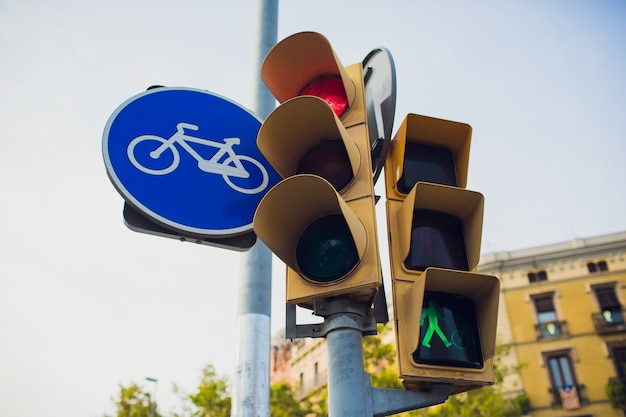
329 88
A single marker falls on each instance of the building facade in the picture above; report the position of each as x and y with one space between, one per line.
561 308
302 363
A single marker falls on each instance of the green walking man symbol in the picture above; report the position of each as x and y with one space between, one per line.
433 315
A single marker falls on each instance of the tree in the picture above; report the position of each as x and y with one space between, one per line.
283 402
487 401
210 400
318 403
379 359
133 402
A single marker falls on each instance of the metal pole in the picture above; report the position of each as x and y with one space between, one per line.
350 393
346 384
251 381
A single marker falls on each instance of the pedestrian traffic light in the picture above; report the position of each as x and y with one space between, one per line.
430 150
320 219
445 313
446 326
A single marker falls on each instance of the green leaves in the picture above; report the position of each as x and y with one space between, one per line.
133 402
379 358
283 402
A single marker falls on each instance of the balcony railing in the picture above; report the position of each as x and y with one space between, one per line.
550 329
609 321
568 398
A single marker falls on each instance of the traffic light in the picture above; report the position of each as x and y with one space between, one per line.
320 219
445 314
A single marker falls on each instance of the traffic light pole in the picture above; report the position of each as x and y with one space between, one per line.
349 390
251 390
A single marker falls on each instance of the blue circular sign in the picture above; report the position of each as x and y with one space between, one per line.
187 159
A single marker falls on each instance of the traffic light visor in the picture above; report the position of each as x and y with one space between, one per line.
440 226
316 144
437 239
310 228
430 150
297 60
457 312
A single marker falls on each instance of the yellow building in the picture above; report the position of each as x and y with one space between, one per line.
561 307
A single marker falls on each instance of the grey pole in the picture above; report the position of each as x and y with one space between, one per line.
250 397
346 385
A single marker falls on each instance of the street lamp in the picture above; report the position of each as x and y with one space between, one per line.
153 396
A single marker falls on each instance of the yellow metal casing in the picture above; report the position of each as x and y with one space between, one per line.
301 123
483 290
429 131
295 127
287 134
289 207
297 60
409 285
466 205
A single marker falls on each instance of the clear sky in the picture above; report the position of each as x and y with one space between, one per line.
86 304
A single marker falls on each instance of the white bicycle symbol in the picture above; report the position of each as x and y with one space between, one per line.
230 167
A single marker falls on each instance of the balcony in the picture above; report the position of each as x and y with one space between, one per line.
568 398
551 329
609 321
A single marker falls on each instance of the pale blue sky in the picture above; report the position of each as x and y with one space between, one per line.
86 304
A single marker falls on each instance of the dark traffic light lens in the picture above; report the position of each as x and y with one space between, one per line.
448 332
328 160
330 89
326 251
426 163
437 239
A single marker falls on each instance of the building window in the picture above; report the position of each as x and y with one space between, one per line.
616 384
610 307
619 361
537 276
564 386
600 266
547 323
561 371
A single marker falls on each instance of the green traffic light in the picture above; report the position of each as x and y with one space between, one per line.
449 334
326 251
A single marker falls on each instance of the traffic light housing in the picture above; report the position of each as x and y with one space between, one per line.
427 149
320 219
445 314
446 326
